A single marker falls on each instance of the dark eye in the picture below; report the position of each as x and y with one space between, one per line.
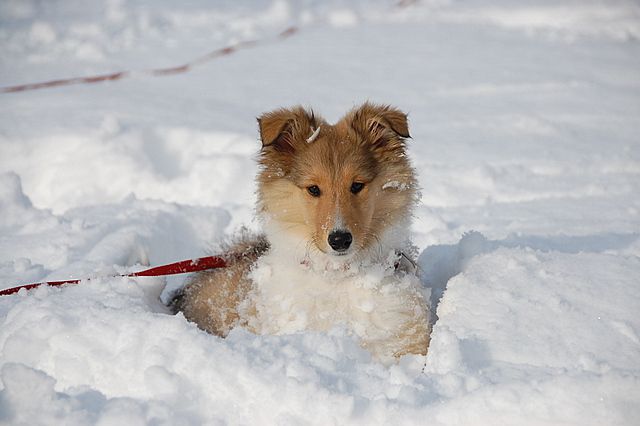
356 187
314 190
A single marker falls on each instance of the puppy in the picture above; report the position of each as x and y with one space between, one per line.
335 202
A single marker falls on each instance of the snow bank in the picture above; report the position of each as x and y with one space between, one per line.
552 338
192 167
100 240
522 337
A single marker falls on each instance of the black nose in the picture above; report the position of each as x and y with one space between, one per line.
340 240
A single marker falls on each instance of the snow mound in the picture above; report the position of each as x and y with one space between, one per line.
98 240
520 334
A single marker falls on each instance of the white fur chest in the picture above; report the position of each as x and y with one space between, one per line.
373 302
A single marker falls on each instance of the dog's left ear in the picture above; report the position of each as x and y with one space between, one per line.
286 129
381 125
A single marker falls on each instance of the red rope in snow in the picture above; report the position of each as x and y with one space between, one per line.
194 265
120 75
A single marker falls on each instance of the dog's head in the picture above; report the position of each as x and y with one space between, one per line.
335 189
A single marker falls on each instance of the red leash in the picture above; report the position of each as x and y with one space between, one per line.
195 265
120 75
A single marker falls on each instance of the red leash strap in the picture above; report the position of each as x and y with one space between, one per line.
195 265
120 75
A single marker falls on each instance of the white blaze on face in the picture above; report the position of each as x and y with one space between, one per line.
338 223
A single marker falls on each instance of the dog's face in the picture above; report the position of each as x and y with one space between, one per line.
335 189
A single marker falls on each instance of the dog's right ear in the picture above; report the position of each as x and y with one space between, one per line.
382 127
284 129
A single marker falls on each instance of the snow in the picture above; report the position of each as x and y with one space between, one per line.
373 302
524 119
394 184
314 135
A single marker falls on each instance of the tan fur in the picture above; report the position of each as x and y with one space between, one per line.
414 336
212 299
366 146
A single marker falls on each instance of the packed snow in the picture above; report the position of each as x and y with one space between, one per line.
524 119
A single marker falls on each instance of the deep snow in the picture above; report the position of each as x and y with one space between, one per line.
525 120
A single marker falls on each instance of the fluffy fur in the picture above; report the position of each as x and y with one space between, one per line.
316 181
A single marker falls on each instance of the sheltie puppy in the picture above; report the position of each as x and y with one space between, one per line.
335 202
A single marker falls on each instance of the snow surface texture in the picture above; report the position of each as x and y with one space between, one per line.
525 119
